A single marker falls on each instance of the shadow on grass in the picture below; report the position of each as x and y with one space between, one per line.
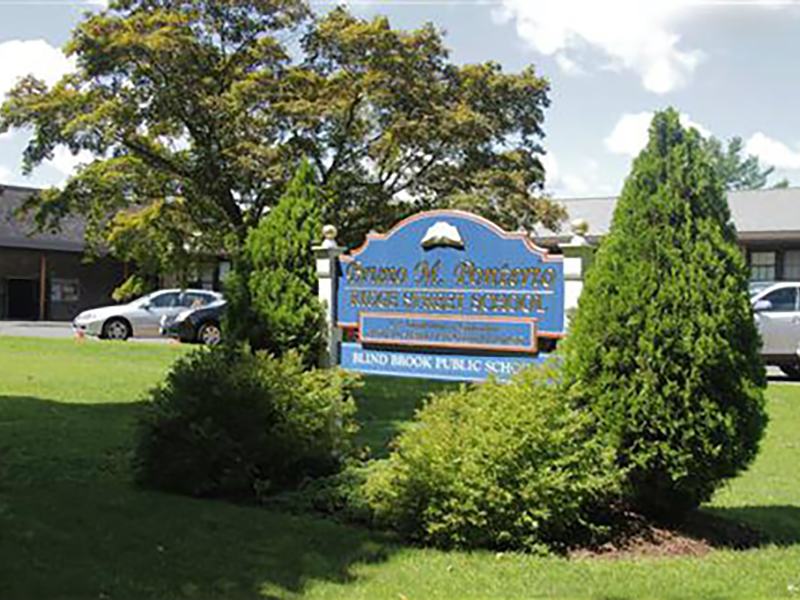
780 378
72 525
385 404
778 524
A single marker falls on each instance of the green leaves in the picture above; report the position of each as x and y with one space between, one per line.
500 465
737 172
272 295
234 424
217 102
663 348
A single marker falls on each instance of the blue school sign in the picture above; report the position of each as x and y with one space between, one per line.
448 295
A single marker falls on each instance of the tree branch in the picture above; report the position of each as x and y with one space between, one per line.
340 151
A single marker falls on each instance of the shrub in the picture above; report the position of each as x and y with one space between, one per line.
272 293
504 466
228 422
340 496
133 287
663 348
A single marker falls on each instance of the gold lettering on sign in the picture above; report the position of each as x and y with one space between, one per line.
369 275
428 275
374 299
433 301
468 274
527 304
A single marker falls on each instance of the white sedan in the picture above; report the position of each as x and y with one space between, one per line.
140 318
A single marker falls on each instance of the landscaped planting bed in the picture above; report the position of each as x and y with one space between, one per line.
73 525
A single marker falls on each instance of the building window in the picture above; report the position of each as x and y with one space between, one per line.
224 269
65 290
202 278
791 265
762 266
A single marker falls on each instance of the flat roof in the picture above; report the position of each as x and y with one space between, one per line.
759 215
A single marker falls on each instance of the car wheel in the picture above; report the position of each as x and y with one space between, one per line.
116 329
209 334
792 371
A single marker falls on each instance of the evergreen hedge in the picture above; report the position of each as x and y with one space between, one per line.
272 293
663 348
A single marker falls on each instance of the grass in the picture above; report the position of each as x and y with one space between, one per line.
73 526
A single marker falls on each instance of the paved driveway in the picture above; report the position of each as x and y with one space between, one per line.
40 329
59 329
50 329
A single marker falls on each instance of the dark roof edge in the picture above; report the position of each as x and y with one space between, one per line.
18 188
39 244
616 197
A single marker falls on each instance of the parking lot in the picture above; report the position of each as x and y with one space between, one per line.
54 330
62 330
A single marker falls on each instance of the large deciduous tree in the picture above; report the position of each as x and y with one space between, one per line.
215 102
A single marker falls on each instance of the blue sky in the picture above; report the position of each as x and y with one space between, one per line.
730 67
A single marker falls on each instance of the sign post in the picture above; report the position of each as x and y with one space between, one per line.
444 295
327 255
578 257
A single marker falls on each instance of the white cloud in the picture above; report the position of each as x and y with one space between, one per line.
635 35
568 65
19 58
772 152
572 184
65 162
575 185
551 171
630 133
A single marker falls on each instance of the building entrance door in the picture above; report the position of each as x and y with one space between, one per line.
23 299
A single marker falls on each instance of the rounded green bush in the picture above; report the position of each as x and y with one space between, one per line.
663 348
230 423
505 466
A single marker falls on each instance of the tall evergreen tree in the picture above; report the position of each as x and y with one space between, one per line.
272 293
663 348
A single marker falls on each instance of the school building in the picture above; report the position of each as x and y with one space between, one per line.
767 224
46 276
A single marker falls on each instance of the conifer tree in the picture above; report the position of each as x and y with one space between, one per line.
272 293
663 348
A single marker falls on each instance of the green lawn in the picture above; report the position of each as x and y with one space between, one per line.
72 525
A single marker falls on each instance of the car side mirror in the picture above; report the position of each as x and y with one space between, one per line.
146 306
762 306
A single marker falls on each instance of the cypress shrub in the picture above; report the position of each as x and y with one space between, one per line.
272 297
663 348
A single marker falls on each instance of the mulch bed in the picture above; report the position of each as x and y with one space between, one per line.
697 535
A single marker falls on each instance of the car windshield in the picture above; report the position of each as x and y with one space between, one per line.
149 299
759 286
142 300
